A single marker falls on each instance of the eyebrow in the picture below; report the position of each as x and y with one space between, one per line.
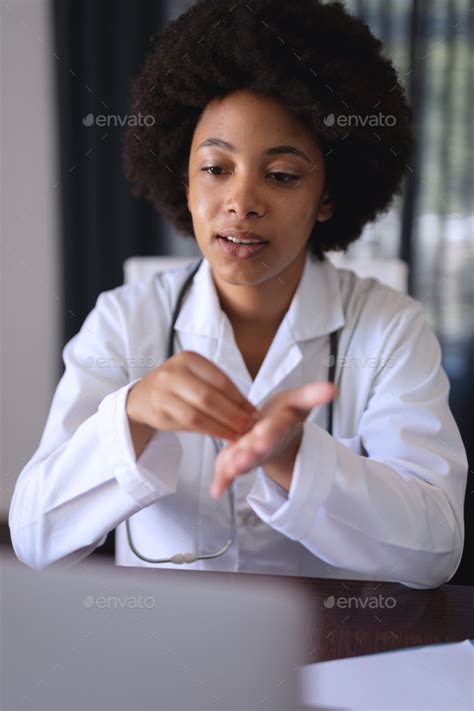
276 150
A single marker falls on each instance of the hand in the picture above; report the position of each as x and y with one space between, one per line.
274 440
189 393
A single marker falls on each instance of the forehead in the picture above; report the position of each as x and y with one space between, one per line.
253 117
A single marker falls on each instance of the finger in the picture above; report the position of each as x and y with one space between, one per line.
212 375
190 419
224 473
235 460
305 398
323 390
221 483
211 402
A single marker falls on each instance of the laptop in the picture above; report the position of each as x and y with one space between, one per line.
96 637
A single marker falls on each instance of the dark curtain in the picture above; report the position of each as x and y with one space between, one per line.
100 45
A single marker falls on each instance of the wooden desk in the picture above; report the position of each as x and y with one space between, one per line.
415 617
403 618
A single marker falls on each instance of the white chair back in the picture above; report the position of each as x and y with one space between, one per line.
143 268
392 272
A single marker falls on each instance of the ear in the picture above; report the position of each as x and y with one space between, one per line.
326 208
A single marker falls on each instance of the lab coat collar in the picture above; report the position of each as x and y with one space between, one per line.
315 310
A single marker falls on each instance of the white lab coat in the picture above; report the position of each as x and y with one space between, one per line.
381 500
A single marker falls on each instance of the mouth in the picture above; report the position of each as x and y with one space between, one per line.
240 250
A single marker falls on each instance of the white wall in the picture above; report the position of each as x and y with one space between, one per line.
29 296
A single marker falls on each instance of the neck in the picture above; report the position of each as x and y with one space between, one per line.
261 307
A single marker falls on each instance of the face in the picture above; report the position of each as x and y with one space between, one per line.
256 168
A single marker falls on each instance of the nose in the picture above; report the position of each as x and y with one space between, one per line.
243 199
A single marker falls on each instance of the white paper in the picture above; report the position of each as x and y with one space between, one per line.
428 678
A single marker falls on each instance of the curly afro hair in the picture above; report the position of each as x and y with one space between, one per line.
321 62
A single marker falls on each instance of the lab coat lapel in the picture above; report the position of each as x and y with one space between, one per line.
315 311
201 316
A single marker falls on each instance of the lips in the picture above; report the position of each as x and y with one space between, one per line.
240 251
241 234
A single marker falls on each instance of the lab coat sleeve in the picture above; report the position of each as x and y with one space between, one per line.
397 513
84 479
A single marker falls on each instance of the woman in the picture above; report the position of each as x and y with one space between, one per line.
327 390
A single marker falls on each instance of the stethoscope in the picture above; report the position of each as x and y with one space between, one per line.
181 558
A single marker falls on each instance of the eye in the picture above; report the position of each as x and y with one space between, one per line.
288 177
278 176
211 167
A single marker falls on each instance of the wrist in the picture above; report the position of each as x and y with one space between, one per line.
280 468
280 475
140 432
132 408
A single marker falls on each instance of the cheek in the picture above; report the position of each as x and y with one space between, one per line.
299 206
202 201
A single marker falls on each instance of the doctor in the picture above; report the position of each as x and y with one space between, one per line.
255 284
128 442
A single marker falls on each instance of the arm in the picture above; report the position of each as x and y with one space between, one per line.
397 513
84 479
